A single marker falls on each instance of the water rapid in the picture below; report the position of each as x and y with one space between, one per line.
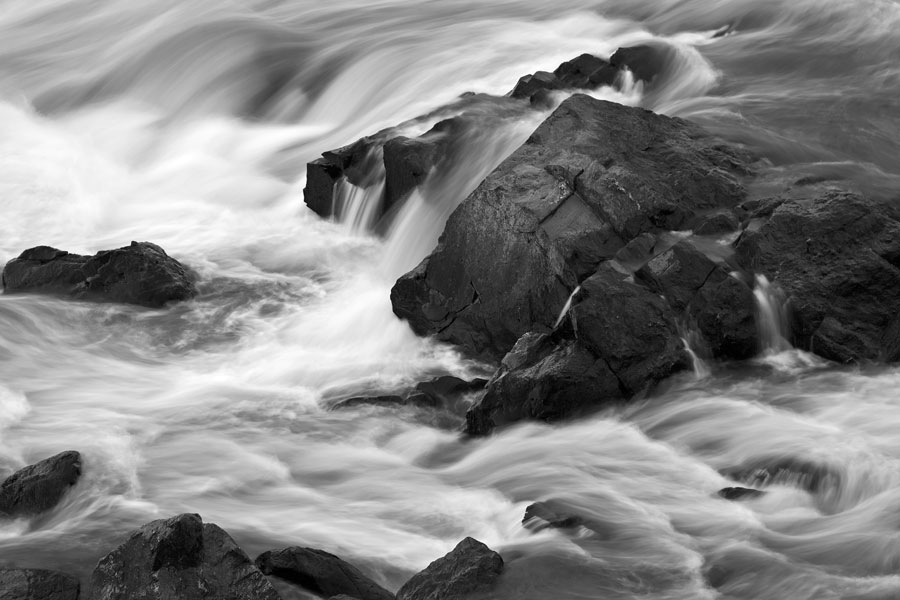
189 124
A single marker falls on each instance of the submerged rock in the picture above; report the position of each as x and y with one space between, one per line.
469 571
141 273
39 487
321 573
560 205
837 257
542 515
37 584
739 493
179 558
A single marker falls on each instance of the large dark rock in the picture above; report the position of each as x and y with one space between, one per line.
618 339
469 571
321 573
593 176
647 62
141 273
37 584
585 72
39 487
179 558
707 298
836 255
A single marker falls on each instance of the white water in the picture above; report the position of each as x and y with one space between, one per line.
164 122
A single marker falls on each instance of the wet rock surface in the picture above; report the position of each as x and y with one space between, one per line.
468 572
39 487
321 573
183 558
141 273
37 584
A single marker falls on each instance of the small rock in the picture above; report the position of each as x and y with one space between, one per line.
179 558
37 584
468 570
321 573
141 273
541 515
739 493
39 487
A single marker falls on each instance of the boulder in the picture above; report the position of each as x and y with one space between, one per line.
39 487
618 339
469 571
739 493
321 573
592 177
37 584
717 223
141 273
541 515
182 558
647 62
707 298
836 255
585 72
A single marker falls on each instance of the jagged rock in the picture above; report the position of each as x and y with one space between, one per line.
584 72
37 584
646 62
445 391
557 207
39 487
469 571
141 273
179 558
618 339
721 307
837 257
407 164
321 573
739 493
717 223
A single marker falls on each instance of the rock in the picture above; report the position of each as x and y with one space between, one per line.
584 72
836 255
618 340
739 493
382 400
717 223
37 584
358 162
321 573
445 391
808 475
39 487
557 207
720 307
646 62
407 164
182 558
469 571
541 515
141 273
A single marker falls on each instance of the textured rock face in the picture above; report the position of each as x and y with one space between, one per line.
179 558
592 177
469 571
618 339
141 273
837 257
37 584
39 487
321 573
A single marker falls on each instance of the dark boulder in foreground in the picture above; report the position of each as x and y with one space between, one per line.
469 571
39 487
179 558
591 178
618 339
836 255
141 273
37 584
321 573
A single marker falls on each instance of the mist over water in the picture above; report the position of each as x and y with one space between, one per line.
189 124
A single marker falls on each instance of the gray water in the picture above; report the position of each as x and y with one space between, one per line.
189 124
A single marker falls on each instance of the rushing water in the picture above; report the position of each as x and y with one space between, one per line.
189 123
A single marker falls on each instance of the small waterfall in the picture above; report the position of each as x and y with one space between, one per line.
771 316
694 345
566 306
357 207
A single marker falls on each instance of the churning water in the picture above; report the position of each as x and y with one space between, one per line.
189 123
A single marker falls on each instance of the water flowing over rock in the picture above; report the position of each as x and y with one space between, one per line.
37 584
141 273
39 487
182 558
321 573
592 177
468 572
836 255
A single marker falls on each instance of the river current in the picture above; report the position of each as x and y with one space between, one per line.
189 124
